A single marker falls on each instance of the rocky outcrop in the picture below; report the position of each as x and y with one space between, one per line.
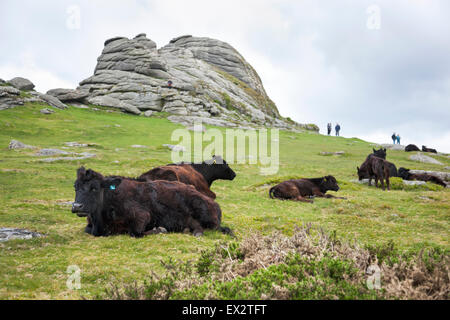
69 95
21 83
210 82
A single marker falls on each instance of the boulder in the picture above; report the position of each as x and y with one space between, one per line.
425 159
148 113
108 101
68 94
15 144
50 152
13 233
53 101
47 111
175 147
21 83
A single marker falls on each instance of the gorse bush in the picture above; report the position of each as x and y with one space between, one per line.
309 265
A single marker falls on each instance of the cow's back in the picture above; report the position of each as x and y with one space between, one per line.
183 173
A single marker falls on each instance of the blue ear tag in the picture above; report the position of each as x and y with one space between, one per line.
112 187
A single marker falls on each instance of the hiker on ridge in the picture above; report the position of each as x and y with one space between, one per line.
337 128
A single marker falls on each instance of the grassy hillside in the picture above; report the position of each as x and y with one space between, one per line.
32 196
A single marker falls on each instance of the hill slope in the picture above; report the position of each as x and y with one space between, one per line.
33 195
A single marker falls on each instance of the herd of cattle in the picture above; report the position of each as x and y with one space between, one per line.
177 197
377 167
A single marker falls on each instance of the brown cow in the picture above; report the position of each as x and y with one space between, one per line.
200 175
299 189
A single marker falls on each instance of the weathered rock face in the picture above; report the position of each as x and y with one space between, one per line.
21 83
211 82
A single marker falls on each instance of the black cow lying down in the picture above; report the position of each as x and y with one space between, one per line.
411 147
425 149
406 175
117 205
299 189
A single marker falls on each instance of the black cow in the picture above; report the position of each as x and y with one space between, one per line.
299 189
375 167
406 175
411 147
425 149
122 205
381 153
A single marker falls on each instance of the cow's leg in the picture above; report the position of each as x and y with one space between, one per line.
139 219
195 227
382 183
88 228
370 181
302 199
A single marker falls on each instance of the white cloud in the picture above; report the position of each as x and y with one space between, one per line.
42 79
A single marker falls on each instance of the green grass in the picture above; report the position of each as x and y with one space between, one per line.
30 193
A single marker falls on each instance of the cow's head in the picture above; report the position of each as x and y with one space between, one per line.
89 195
380 153
362 174
220 168
329 183
404 173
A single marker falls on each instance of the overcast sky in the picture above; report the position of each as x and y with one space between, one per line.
373 66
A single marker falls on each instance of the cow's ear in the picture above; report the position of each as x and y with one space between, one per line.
111 183
357 168
81 172
384 149
374 150
89 174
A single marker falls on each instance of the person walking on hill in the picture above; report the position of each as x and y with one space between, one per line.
398 138
329 128
393 137
337 128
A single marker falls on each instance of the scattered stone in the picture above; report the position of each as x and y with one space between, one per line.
425 159
15 144
21 83
337 153
12 233
175 147
50 152
138 146
82 156
148 113
75 144
47 111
